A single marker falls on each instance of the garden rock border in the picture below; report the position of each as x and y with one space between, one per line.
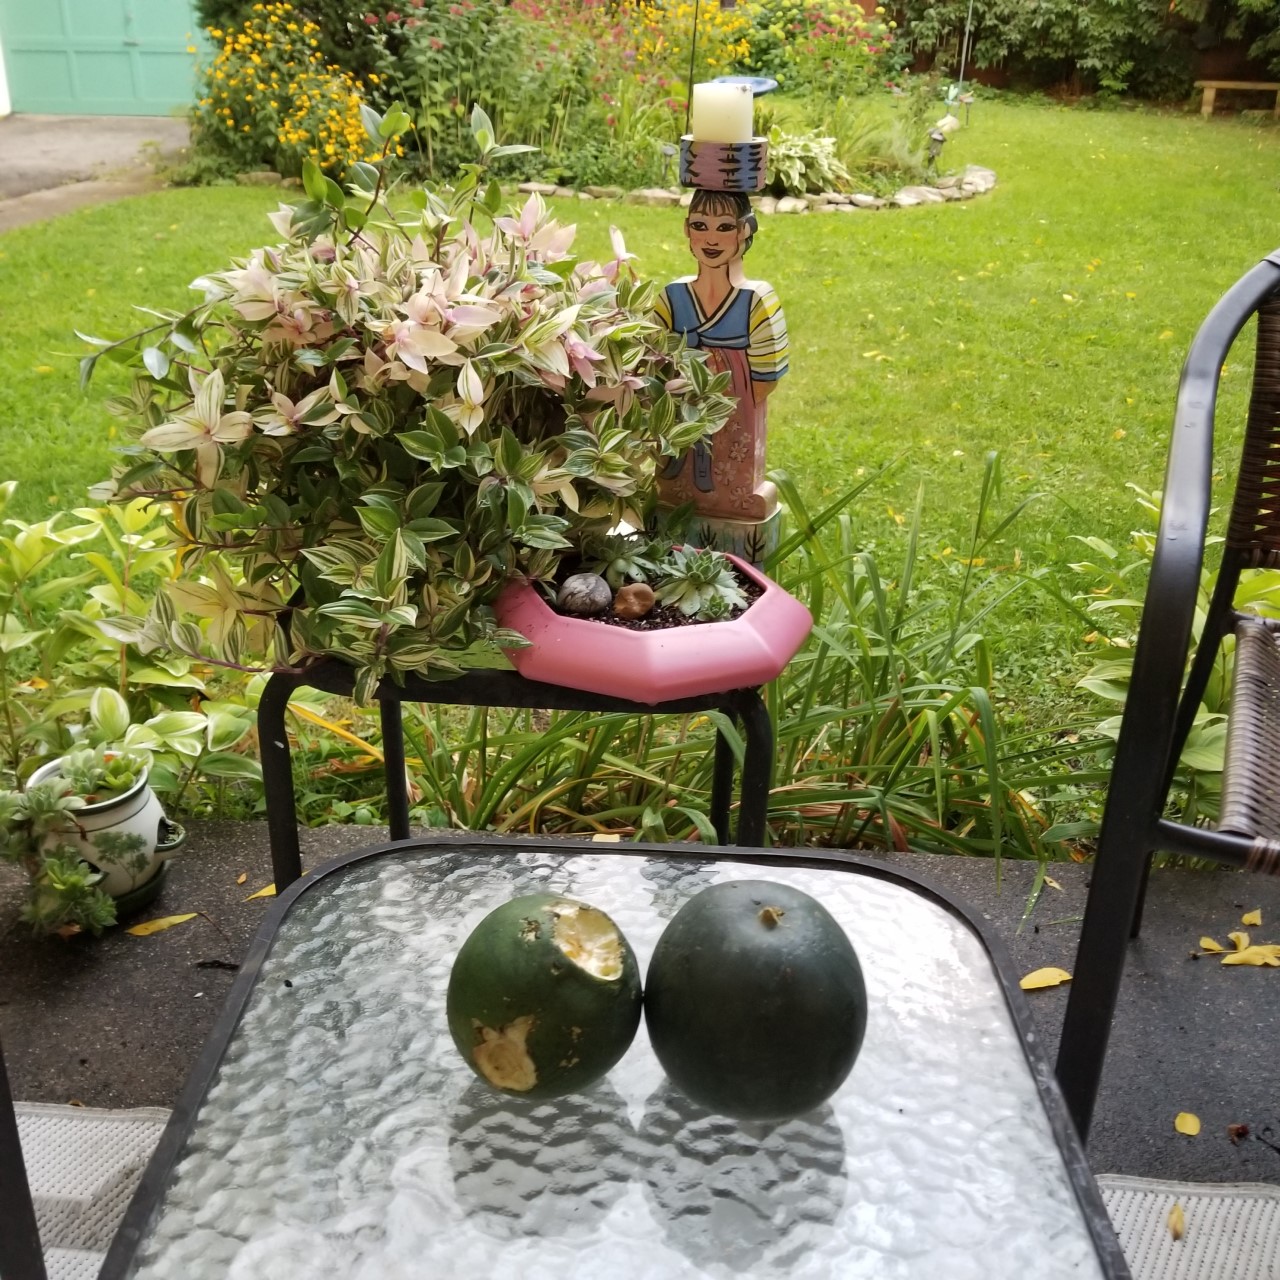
975 180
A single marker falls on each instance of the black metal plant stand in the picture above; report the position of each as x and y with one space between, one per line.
498 689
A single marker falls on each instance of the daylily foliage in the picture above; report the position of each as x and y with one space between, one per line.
408 399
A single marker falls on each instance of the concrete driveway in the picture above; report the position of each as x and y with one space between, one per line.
52 164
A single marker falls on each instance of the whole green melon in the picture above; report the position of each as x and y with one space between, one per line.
544 996
755 1001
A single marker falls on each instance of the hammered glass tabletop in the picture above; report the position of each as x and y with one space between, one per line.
344 1136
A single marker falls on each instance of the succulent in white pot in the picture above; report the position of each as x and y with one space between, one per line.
87 826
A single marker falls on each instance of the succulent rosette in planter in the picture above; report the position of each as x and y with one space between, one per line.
409 399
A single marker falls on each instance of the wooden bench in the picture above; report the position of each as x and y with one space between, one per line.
1211 88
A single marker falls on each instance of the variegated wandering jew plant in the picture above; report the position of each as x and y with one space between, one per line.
383 416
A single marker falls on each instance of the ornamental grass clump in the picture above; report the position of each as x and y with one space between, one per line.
407 399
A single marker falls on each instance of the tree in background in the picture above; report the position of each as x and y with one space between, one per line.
1142 47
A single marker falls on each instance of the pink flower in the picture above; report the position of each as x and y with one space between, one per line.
436 43
371 19
581 354
392 16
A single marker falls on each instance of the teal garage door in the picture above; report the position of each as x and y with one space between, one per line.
98 57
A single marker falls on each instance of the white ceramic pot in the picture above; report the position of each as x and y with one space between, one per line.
135 812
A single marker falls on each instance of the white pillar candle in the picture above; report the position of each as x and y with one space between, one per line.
721 113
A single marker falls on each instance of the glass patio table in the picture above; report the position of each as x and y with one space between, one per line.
330 1129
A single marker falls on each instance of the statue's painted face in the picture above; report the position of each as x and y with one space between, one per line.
715 238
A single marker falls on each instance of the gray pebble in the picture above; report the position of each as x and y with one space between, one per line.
584 594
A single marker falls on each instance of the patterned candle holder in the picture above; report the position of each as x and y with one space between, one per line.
724 166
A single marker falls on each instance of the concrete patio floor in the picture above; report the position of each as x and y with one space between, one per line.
117 1022
53 164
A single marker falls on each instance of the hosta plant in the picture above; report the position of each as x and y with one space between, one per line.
374 421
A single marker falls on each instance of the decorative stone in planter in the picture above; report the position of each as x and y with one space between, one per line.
132 813
656 665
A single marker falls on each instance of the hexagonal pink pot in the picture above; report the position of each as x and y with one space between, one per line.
660 665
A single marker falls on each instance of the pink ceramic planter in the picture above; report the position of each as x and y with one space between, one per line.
661 665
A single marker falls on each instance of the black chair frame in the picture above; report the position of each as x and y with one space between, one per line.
1160 709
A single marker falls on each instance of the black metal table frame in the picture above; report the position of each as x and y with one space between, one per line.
498 689
160 1170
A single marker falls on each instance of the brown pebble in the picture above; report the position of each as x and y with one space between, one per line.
634 600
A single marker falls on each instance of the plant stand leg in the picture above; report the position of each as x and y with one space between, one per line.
722 785
393 763
277 781
20 1255
757 771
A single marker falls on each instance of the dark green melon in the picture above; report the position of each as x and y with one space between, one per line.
544 997
755 1001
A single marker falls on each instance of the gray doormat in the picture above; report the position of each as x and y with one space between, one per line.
83 1165
1231 1231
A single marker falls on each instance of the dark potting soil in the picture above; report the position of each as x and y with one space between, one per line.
663 616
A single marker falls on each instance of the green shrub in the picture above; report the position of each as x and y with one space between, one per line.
268 98
820 47
1115 46
345 36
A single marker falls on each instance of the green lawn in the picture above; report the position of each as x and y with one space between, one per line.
1047 320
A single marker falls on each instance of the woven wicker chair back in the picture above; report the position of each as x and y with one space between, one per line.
1254 528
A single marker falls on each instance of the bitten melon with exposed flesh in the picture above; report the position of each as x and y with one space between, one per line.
544 996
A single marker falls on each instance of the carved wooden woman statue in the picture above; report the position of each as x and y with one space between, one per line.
739 323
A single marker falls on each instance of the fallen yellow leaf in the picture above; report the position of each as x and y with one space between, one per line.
1119 433
242 877
1038 978
1253 918
1187 1123
1240 939
1168 333
1267 954
1052 883
268 891
1208 944
1177 1221
159 924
